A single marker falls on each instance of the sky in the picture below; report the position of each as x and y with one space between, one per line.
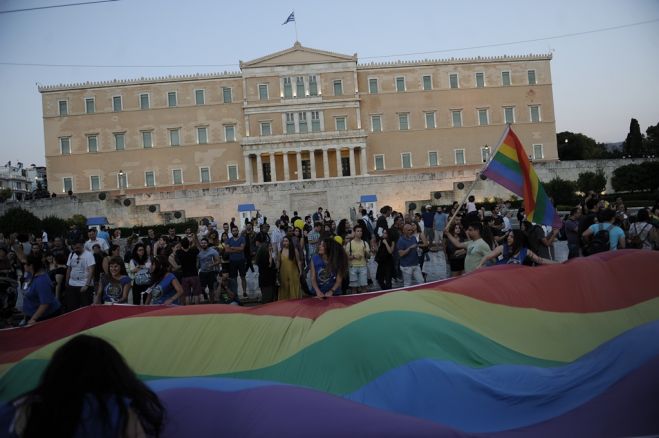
600 79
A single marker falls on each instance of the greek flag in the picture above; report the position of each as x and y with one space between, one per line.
290 18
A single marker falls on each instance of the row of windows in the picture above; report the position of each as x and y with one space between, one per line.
147 139
454 81
150 178
459 156
144 101
430 118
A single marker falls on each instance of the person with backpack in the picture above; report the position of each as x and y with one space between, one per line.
642 234
358 254
604 235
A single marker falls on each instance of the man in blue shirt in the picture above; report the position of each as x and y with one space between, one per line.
208 260
409 260
236 250
439 220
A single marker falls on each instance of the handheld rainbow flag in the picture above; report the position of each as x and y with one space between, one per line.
511 168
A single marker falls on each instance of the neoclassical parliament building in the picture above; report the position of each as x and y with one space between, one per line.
298 114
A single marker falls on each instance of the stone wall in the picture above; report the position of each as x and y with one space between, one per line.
338 195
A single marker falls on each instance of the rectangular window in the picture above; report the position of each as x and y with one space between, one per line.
376 123
379 162
122 180
505 78
119 141
171 99
266 128
149 179
400 84
315 121
456 118
230 133
63 107
92 143
263 92
202 135
302 122
531 76
373 86
535 113
199 97
65 145
313 86
67 184
227 96
338 87
299 86
204 174
459 156
147 139
290 123
433 159
340 123
483 119
232 172
116 104
403 121
509 114
95 183
427 83
453 80
538 152
406 160
288 88
90 105
177 176
144 101
480 80
485 154
430 120
175 137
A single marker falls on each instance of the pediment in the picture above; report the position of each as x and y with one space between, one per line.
297 55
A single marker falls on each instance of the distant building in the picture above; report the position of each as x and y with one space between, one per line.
37 175
298 114
15 178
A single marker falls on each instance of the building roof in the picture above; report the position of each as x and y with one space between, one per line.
298 54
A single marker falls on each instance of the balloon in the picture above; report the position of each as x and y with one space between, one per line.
299 224
339 240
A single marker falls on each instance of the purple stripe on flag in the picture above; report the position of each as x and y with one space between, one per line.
501 174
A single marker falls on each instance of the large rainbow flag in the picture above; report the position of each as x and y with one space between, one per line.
510 167
560 350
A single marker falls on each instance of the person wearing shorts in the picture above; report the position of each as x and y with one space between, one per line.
187 258
358 255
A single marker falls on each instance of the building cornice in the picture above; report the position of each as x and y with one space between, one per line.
254 143
139 81
453 61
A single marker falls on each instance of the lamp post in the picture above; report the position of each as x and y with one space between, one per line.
122 189
486 154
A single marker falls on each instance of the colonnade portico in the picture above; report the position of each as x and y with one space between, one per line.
305 165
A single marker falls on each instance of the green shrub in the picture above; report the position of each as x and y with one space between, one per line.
17 220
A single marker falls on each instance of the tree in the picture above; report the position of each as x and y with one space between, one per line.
17 220
79 220
5 193
577 146
636 177
634 142
55 226
595 181
562 191
652 140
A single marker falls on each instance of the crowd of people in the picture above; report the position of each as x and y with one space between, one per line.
296 257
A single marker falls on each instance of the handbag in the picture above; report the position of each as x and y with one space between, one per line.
143 277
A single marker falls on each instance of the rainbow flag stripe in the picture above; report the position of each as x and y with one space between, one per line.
559 350
510 167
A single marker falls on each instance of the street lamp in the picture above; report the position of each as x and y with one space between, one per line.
121 182
486 153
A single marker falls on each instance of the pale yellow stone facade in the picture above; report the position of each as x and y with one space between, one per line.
299 114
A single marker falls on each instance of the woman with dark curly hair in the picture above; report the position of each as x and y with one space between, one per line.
328 269
87 389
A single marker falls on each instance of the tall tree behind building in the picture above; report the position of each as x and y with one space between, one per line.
634 143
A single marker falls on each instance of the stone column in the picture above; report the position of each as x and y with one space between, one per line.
248 170
339 171
259 168
273 167
351 151
325 164
312 163
298 162
286 173
363 160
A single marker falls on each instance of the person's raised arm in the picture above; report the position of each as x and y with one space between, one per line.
496 252
539 260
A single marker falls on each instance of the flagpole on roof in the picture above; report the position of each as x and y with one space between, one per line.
479 173
295 23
